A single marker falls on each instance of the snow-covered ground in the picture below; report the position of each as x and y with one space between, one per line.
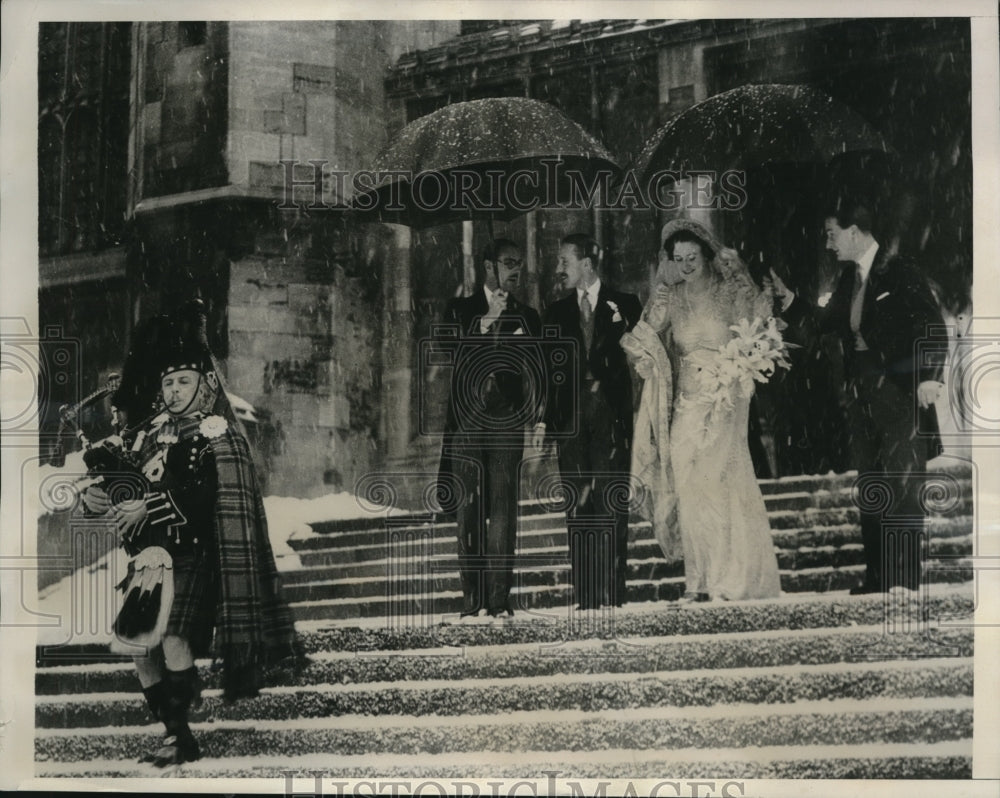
288 519
82 606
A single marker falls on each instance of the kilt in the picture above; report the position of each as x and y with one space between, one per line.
196 598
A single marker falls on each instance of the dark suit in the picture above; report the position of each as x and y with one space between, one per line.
592 416
883 415
489 404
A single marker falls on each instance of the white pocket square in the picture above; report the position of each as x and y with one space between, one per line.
881 296
519 331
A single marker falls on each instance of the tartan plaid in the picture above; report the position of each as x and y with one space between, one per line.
254 626
192 614
238 578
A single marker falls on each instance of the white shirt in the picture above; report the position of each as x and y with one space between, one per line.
866 261
864 266
591 292
483 325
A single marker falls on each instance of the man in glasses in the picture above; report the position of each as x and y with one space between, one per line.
491 400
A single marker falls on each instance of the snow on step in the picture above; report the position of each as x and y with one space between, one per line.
489 763
881 668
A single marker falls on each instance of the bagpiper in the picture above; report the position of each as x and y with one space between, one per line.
202 579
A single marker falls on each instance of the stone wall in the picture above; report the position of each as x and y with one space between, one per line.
306 299
312 91
181 119
305 333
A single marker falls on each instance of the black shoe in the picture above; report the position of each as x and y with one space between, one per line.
179 745
177 750
864 590
146 759
506 612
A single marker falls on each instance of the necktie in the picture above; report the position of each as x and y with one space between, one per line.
586 320
857 303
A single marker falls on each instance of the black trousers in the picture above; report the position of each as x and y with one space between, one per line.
891 462
595 462
487 523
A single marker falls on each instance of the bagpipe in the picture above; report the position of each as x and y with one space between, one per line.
114 463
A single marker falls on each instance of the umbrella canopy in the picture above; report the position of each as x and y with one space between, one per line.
757 124
492 158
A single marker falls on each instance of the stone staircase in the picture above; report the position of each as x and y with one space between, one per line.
814 684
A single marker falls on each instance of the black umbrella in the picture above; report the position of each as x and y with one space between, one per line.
753 125
494 158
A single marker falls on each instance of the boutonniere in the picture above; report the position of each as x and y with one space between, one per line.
519 331
615 314
213 426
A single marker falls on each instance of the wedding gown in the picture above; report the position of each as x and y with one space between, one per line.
724 530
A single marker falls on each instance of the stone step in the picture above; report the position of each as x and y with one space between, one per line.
841 721
442 571
939 605
354 532
757 649
590 692
549 531
835 516
408 601
957 473
951 759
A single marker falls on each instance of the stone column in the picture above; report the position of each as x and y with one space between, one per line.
533 294
468 261
398 344
596 220
682 81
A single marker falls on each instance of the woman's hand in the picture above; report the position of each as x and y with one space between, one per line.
778 288
656 310
645 367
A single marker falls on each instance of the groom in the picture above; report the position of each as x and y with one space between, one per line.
881 308
593 414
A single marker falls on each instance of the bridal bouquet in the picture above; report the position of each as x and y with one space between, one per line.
752 355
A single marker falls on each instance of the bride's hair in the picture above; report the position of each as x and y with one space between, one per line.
691 238
730 278
712 257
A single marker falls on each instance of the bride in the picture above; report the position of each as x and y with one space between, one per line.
690 448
